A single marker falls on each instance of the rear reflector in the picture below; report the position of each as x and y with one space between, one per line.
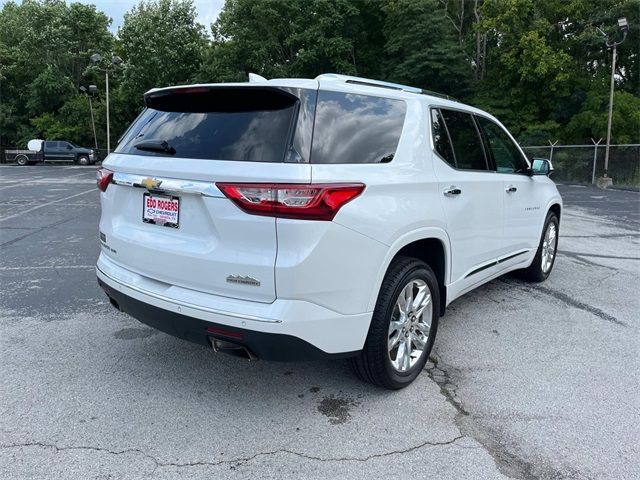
104 178
224 332
300 201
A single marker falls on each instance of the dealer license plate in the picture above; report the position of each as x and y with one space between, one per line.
161 210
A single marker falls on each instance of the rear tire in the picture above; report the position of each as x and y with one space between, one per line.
380 363
545 258
22 160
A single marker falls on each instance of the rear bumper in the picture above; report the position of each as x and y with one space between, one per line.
284 330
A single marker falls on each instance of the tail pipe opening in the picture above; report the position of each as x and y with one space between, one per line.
224 346
115 304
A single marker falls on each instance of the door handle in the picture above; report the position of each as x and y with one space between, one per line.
451 191
511 189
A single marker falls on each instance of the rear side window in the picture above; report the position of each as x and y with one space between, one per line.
251 124
465 140
505 153
352 128
441 138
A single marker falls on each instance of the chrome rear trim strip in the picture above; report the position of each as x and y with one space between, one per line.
187 304
168 185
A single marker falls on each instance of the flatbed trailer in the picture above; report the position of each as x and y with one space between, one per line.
50 151
24 157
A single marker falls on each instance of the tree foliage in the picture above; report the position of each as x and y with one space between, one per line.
541 66
161 44
44 50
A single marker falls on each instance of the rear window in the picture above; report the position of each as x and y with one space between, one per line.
353 128
242 124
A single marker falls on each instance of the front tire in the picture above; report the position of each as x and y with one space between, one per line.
545 258
83 160
403 327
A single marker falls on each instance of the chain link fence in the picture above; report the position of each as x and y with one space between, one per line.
585 163
572 163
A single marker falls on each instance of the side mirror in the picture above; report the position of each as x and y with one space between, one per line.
69 147
541 166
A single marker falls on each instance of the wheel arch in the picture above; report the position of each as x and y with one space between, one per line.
556 208
432 247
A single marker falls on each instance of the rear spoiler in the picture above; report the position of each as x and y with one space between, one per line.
219 98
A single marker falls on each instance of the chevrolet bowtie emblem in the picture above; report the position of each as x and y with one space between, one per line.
150 183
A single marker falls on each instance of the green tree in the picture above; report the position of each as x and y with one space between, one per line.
294 38
162 45
44 50
591 120
546 58
422 48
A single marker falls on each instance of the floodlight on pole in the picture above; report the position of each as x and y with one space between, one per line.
623 26
92 89
115 61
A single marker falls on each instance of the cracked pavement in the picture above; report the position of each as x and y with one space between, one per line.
525 381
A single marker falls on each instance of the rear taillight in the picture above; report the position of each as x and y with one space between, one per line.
103 177
301 201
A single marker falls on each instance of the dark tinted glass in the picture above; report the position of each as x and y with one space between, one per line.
353 128
505 153
466 142
50 144
243 128
441 138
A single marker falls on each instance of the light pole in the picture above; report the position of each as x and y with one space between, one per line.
92 90
116 61
623 26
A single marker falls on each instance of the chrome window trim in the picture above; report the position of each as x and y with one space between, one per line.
169 185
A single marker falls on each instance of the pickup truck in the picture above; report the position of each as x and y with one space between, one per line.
52 151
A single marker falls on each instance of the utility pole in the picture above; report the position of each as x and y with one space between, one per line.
106 81
92 89
606 181
115 61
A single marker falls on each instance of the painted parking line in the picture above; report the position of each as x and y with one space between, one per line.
46 205
48 267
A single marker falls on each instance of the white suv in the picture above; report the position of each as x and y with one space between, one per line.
298 219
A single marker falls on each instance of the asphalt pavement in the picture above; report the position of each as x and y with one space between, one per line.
525 381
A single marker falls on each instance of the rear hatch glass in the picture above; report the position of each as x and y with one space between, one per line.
236 124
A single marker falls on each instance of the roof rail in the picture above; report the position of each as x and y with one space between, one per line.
381 84
440 95
368 82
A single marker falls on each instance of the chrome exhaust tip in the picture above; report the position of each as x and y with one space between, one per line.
223 346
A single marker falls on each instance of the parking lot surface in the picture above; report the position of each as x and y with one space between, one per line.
526 380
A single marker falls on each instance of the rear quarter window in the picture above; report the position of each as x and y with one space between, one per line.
352 128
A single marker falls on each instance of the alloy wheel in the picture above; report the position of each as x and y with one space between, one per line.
410 325
549 244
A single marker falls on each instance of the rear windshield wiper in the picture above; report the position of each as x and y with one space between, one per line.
155 146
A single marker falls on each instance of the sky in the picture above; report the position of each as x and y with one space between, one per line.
208 10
